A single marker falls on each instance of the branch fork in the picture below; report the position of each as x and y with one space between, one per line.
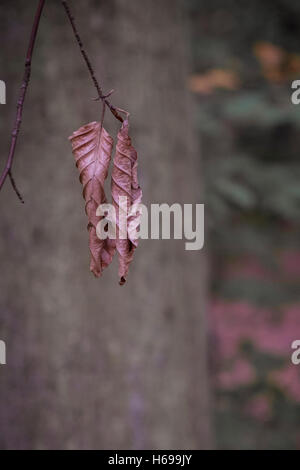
20 104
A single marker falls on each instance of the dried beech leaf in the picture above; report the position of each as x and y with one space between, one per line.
134 217
92 148
125 184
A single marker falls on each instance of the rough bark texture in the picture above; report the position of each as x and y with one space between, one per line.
91 364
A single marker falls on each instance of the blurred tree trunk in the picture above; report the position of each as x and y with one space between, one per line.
91 364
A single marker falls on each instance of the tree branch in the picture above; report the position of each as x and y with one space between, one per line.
89 65
14 136
17 124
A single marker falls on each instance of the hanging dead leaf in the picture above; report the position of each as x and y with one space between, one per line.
126 194
92 148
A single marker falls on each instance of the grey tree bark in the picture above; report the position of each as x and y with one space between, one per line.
91 364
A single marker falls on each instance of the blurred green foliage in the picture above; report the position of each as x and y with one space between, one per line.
250 142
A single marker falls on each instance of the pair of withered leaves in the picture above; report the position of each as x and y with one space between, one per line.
92 149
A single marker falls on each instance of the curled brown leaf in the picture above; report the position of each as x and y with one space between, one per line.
126 195
92 148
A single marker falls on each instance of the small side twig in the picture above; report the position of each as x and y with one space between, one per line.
13 183
14 136
101 96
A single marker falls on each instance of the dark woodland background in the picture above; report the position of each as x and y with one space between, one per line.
194 351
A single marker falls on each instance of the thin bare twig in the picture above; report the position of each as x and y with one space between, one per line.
13 183
20 104
89 65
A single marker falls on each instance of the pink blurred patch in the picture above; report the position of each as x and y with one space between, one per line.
242 373
259 408
289 380
269 330
234 322
290 263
